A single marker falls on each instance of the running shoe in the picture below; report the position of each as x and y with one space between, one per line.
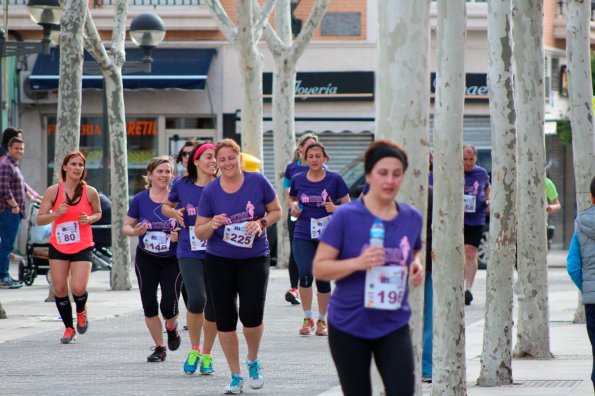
236 385
321 328
293 296
81 321
158 354
173 338
192 362
308 326
206 364
256 380
9 283
468 297
69 336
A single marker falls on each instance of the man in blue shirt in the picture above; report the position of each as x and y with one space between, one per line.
581 265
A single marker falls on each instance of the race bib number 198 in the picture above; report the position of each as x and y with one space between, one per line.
385 287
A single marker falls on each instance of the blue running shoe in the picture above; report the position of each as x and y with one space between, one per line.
192 362
236 385
256 380
206 364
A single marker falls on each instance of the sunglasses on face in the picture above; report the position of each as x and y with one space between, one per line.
186 154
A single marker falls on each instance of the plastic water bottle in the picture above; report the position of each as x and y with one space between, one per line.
377 233
300 207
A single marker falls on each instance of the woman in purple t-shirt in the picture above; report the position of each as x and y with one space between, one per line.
182 205
233 213
313 195
155 262
368 312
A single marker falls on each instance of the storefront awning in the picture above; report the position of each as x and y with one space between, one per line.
172 68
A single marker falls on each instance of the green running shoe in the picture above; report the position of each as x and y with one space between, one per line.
206 364
192 362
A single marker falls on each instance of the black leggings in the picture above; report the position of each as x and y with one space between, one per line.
152 271
229 278
294 274
194 275
392 353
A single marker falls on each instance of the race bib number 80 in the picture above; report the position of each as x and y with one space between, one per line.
235 234
68 232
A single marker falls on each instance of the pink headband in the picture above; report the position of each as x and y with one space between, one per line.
202 149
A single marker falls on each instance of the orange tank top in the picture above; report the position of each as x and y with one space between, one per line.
68 235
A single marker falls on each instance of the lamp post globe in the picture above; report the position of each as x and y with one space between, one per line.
47 14
147 30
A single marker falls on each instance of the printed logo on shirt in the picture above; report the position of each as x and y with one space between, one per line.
242 216
396 256
168 225
191 209
473 189
319 200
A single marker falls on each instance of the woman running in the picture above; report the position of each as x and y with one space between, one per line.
368 311
234 211
155 262
312 197
297 165
182 205
73 206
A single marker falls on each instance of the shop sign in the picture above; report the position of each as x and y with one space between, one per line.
327 86
93 127
476 87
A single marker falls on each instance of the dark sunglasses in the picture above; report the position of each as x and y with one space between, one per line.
186 154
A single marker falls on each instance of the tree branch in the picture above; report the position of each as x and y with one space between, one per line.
94 44
299 45
118 51
274 43
225 25
263 18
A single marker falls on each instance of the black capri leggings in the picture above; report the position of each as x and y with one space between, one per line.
152 271
392 353
246 278
195 283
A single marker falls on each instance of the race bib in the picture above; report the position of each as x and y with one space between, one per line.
469 203
195 243
385 287
235 234
318 225
156 242
68 232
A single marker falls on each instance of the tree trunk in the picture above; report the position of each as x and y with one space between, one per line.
496 356
283 121
402 113
533 339
580 93
71 73
448 357
286 54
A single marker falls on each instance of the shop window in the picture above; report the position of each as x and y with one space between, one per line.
190 122
142 145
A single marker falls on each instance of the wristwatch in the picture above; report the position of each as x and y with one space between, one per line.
263 223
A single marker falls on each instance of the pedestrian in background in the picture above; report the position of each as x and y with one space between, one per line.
233 214
182 205
476 203
72 206
297 165
12 207
581 266
313 195
369 310
155 263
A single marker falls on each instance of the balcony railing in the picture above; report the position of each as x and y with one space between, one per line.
131 3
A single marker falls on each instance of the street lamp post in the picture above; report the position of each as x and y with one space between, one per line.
45 13
147 32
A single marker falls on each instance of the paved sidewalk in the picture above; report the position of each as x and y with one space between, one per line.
111 357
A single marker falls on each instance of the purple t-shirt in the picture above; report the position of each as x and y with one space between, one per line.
246 204
476 182
349 232
187 195
145 210
311 195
